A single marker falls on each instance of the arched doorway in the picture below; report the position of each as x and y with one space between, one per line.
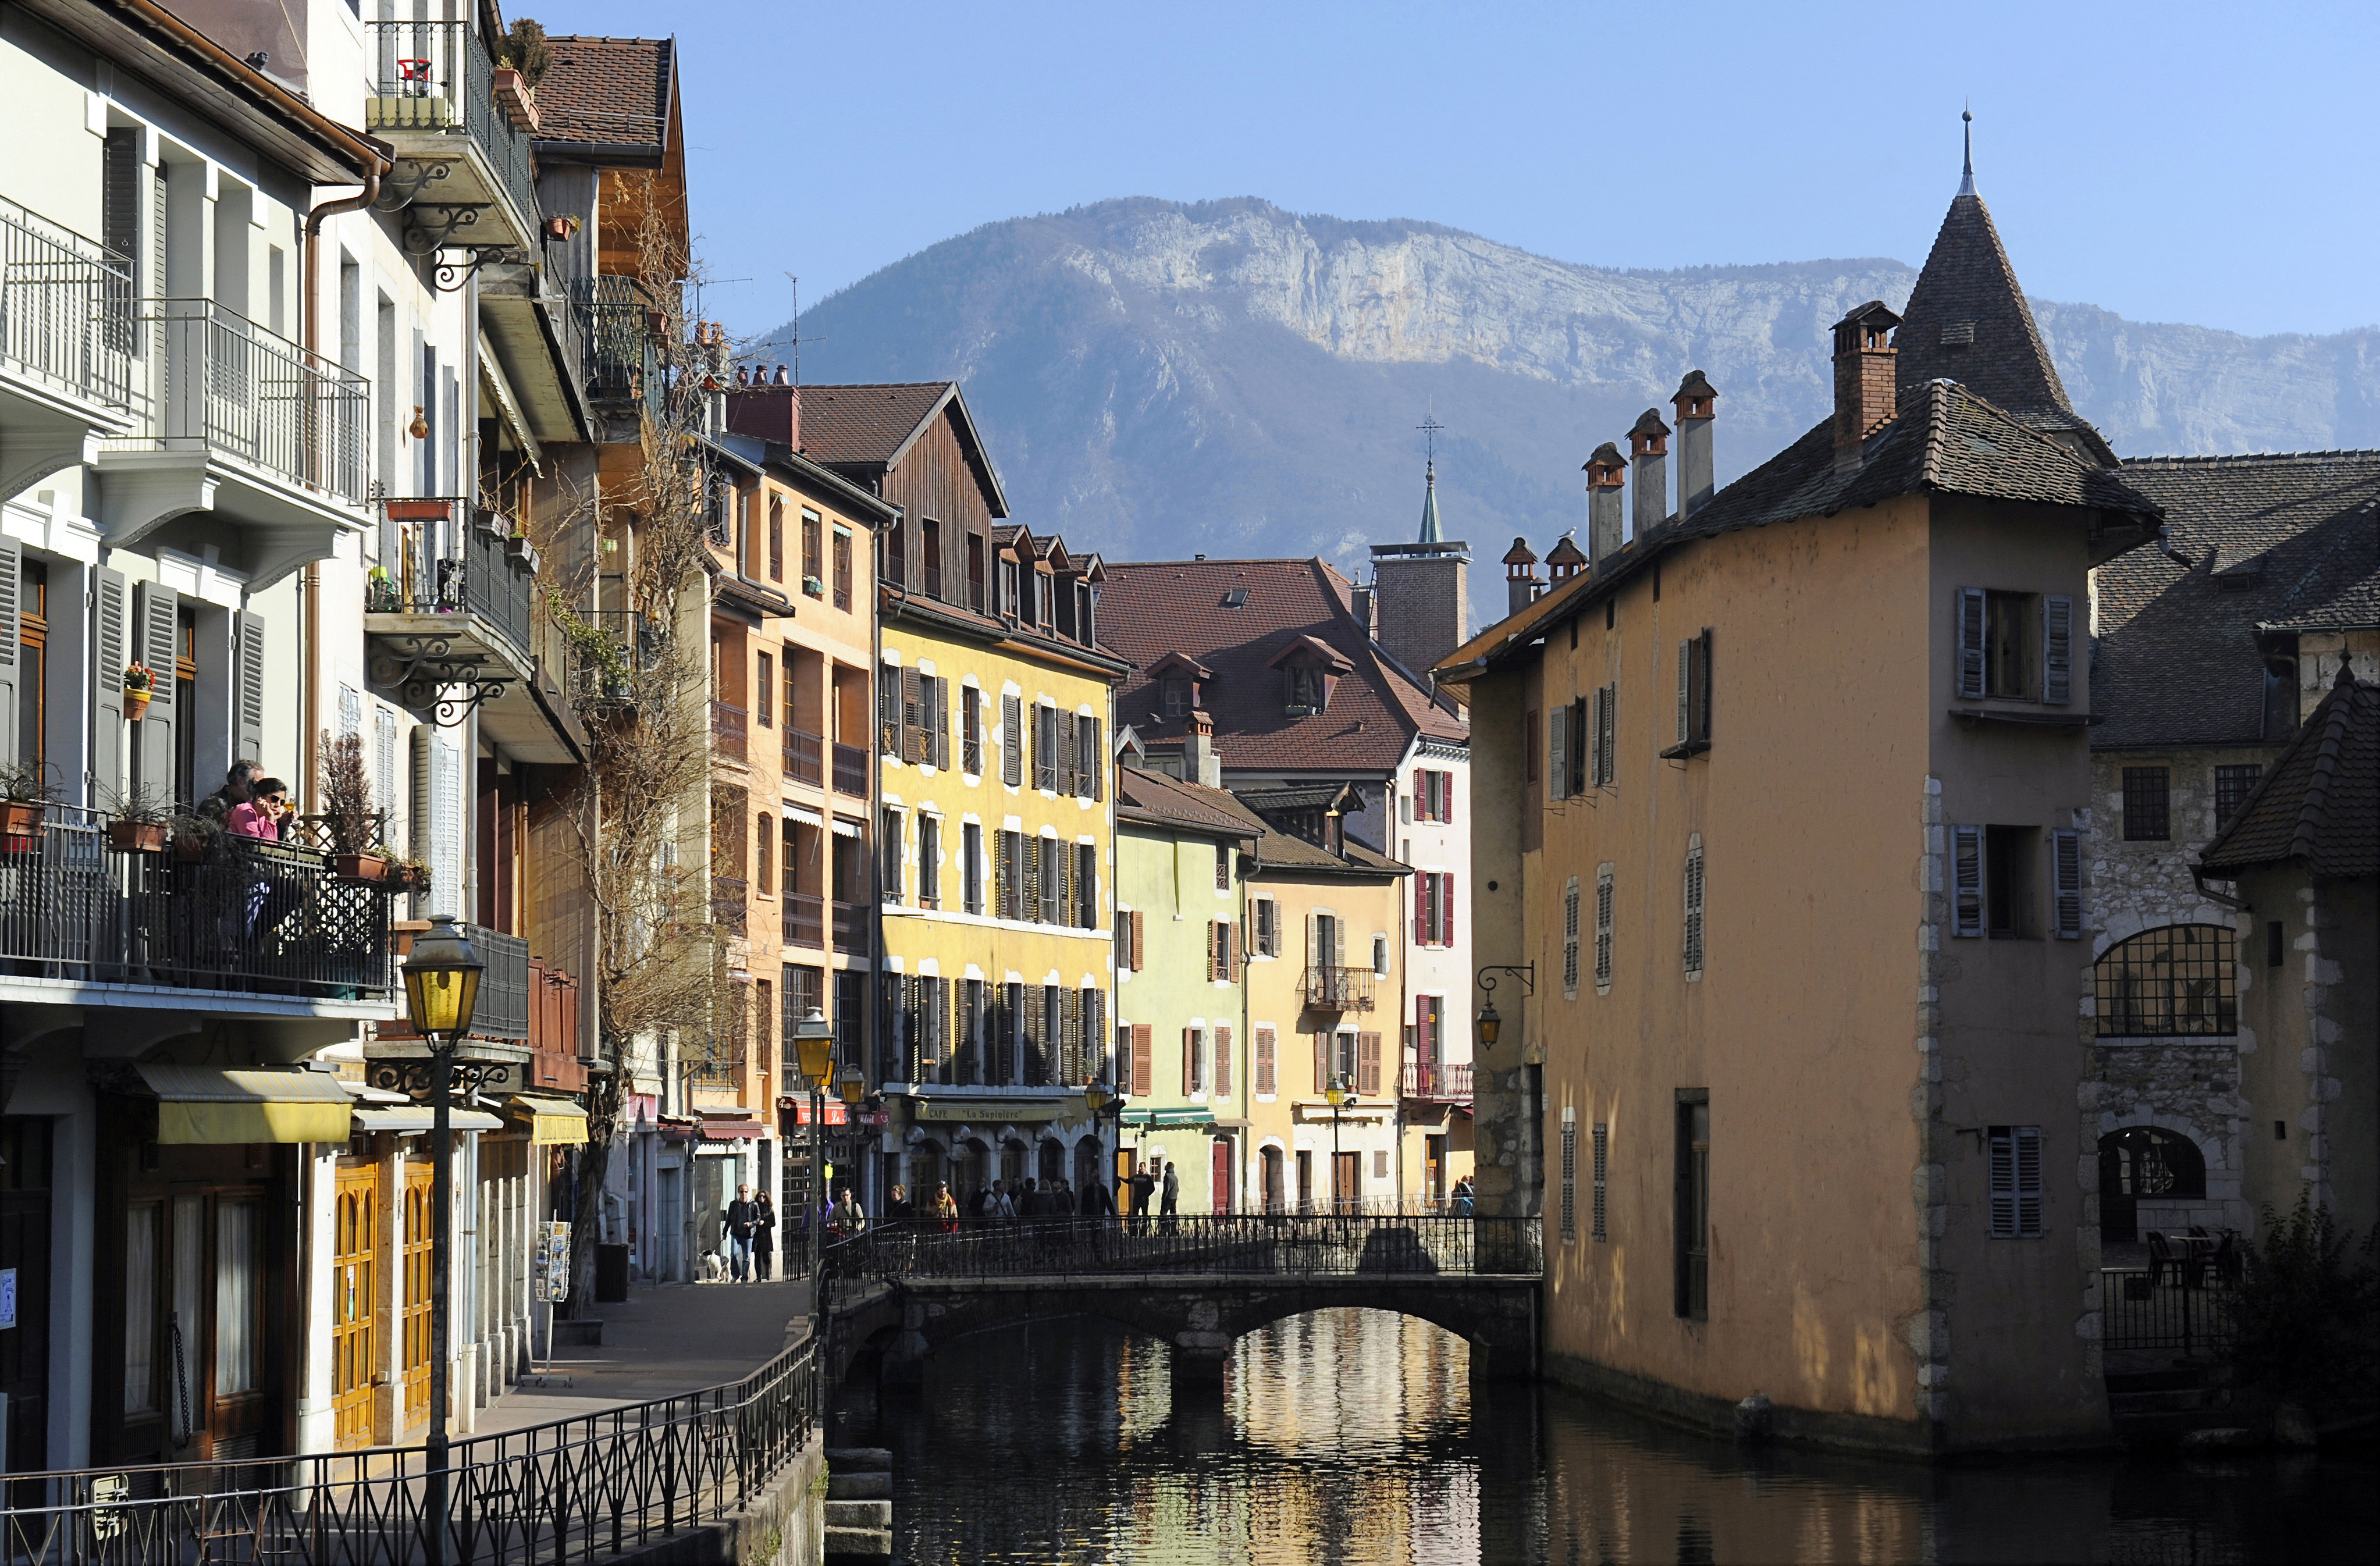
1276 1188
1053 1162
969 1159
2145 1160
1087 1158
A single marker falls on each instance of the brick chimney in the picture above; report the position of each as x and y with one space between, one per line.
1648 457
1605 472
1200 764
769 410
1693 404
1864 363
1520 576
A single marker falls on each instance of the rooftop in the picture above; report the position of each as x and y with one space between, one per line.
2319 806
607 93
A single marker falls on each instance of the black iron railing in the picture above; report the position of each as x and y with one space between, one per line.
574 1490
66 308
805 920
2139 1309
617 326
1276 1245
503 1011
805 756
1329 989
249 916
436 75
851 770
453 559
216 377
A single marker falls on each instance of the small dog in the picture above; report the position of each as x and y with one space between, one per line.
713 1269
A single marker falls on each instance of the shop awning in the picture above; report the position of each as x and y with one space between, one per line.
207 1105
553 1122
420 1117
732 1130
1191 1114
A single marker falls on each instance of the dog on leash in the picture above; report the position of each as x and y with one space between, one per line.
713 1269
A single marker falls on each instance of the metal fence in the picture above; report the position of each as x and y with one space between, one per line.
572 1490
217 377
458 561
66 308
436 75
1329 989
1273 1244
2140 1310
805 756
1438 1079
617 328
247 916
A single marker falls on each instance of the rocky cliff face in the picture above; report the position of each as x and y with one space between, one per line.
1157 377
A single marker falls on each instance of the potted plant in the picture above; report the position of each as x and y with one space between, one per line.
411 875
140 821
139 683
347 811
194 838
520 66
24 798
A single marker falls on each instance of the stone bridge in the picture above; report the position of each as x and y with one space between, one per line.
893 1300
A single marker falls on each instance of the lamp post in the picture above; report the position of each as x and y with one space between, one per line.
441 988
1103 1099
814 1054
1341 1096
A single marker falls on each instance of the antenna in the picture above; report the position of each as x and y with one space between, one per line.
797 339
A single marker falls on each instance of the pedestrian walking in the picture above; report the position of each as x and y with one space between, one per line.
946 1210
1170 1197
897 1207
1143 1196
846 1219
1463 1202
764 1237
741 1213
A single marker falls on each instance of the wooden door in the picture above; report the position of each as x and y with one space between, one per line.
1434 1177
1305 1181
418 1281
1346 1181
355 1272
1219 1184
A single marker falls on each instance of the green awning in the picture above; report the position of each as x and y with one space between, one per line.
1184 1114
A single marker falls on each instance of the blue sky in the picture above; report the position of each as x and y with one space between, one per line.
2192 163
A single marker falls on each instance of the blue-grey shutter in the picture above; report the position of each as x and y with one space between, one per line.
1011 742
2028 1181
110 644
1971 644
1607 734
2003 1181
2066 897
157 618
1557 751
248 714
1685 692
1966 880
12 569
2057 650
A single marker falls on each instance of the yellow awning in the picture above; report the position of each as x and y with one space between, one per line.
210 1105
553 1122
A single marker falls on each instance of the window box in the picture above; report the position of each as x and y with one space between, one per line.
137 837
360 867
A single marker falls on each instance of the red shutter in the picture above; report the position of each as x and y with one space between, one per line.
1144 1065
1446 915
1367 1064
1447 804
1421 910
1189 1070
1223 1062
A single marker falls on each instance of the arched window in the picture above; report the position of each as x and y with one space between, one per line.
2173 980
2145 1161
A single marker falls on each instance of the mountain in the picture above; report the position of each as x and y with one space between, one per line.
1158 378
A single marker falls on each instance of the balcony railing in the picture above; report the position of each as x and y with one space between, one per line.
249 917
65 310
436 75
804 761
444 564
805 920
852 923
505 990
1447 1081
624 644
728 896
616 327
221 379
1332 989
727 732
851 770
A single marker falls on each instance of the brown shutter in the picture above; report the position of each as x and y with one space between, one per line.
1066 772
942 724
1231 943
1189 1075
912 716
1321 1062
1367 1064
1222 1060
1268 1071
1099 759
1029 883
1035 760
1139 952
1144 1072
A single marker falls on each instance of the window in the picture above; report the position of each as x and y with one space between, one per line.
764 858
2175 979
1193 1063
2015 645
1011 742
1380 957
1267 1067
2009 855
1694 902
1603 930
930 533
842 567
764 1019
1045 748
1434 909
1570 1177
971 870
2016 1182
1429 1029
929 861
1008 589
1570 937
1558 743
1090 759
31 605
1692 1206
1268 926
1052 862
971 731
813 558
1008 876
1602 1169
896 555
1308 692
2232 786
974 571
1694 697
764 697
1086 886
1433 796
2147 813
776 539
2276 941
1177 699
891 850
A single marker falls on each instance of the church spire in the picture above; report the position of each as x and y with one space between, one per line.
1430 534
1967 177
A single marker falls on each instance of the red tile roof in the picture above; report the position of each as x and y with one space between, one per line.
866 426
1151 608
607 92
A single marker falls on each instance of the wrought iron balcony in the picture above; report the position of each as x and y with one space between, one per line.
804 761
66 318
851 770
618 326
459 156
244 917
503 1011
1331 989
447 558
1445 1082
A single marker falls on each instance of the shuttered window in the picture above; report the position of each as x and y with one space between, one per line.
2057 650
1973 659
1966 880
1194 1050
1222 1060
1086 886
888 712
1051 888
1268 928
1570 1177
1605 736
1694 903
1012 740
2016 1182
1268 1064
1558 752
1601 1171
2066 889
1694 695
1367 1064
1603 929
1570 937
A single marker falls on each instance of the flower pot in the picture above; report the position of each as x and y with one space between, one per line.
514 97
137 837
21 818
136 704
414 510
359 867
189 849
402 931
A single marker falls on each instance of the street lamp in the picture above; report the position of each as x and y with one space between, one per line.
1490 1023
442 990
1341 1096
814 1054
1103 1099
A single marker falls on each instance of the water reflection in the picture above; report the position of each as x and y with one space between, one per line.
1348 1437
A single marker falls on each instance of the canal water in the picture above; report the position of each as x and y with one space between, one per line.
1349 1435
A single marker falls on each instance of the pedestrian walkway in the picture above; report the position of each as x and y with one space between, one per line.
667 1338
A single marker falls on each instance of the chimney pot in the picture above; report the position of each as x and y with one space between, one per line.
784 378
1864 370
1607 472
1694 403
1648 454
1520 576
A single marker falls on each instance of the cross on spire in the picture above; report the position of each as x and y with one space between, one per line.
1429 427
1967 130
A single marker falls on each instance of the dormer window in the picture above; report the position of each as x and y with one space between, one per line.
1177 699
1008 581
1046 601
1307 689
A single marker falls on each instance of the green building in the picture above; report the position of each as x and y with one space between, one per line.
1181 984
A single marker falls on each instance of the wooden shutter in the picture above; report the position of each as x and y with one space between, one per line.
1189 1064
248 714
1694 900
2065 893
1231 941
1446 909
1040 772
942 724
889 686
913 745
1214 959
1066 736
1966 880
1053 871
1607 732
1321 1062
1701 691
2028 1180
1087 884
1446 797
1139 943
1267 1062
109 655
1011 762
1066 863
1222 1060
12 567
1095 1036
1367 1064
1971 643
1421 909
1144 1064
2003 1181
1685 680
155 626
1030 883
1557 751
2057 650
1098 760
1001 873
1587 738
